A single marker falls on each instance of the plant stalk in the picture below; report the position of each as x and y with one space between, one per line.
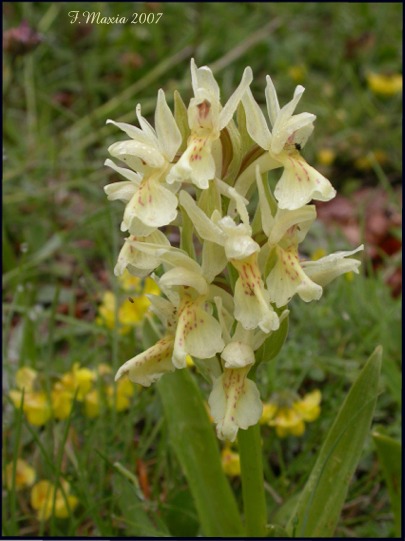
254 499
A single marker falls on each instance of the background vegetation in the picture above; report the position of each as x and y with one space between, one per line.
61 238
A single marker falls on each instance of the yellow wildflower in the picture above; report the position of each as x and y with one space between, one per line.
297 73
36 406
288 413
25 378
62 401
24 475
92 404
326 156
133 309
384 85
78 380
230 462
122 393
45 498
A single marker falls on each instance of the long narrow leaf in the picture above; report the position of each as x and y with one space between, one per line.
195 445
321 501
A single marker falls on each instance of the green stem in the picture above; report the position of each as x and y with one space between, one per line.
254 500
193 440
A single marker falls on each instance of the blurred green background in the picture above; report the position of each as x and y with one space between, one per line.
62 81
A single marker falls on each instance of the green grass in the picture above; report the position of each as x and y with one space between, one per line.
61 238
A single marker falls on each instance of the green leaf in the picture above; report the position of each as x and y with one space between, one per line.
273 344
273 530
194 442
180 514
323 496
390 456
137 520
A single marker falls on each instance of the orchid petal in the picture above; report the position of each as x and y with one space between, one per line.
255 121
229 109
168 133
150 365
328 268
300 183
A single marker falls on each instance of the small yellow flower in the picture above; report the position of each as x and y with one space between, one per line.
326 156
132 310
92 404
45 498
36 406
230 462
384 85
62 401
288 413
122 393
79 380
297 73
25 378
269 410
24 475
125 387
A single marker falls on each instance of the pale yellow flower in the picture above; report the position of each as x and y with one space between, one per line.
384 85
230 462
24 475
45 498
25 378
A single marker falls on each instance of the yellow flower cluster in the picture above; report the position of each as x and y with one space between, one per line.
80 384
47 499
384 85
288 413
128 313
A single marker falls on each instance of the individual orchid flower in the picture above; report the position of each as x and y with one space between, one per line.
299 182
150 202
289 275
234 402
252 302
138 263
150 365
206 119
197 332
